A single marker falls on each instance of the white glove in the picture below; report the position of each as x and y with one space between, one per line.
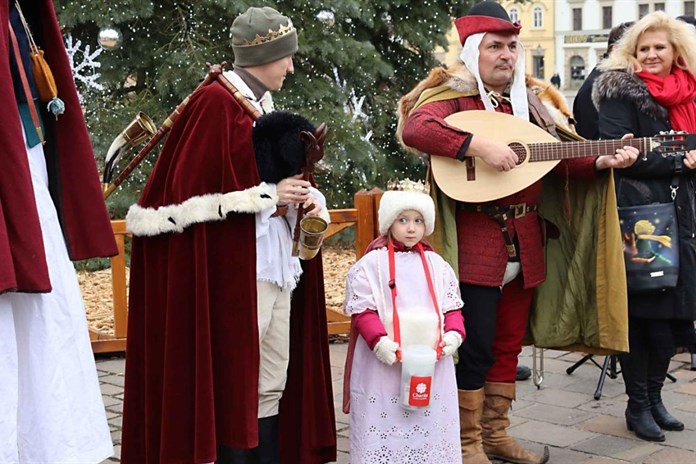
450 342
385 349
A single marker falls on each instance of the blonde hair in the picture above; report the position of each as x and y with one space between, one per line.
681 35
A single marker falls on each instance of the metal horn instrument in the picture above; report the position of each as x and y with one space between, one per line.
214 75
139 130
309 231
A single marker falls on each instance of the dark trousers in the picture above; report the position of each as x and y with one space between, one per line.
495 324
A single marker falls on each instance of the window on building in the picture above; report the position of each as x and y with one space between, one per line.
514 15
659 6
606 17
577 68
537 17
689 8
643 9
577 19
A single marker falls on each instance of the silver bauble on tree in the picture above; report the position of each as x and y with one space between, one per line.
109 38
327 17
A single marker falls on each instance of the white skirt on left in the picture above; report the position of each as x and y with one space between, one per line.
51 408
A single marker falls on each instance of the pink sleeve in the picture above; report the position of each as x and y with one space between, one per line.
369 326
455 321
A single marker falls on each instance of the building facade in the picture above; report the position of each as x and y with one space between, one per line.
537 35
582 30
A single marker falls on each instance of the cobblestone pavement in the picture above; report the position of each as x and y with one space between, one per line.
561 414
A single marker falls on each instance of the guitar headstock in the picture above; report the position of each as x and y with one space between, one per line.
673 143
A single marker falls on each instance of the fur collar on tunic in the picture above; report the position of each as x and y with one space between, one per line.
460 79
620 85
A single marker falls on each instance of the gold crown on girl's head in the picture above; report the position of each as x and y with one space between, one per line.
407 185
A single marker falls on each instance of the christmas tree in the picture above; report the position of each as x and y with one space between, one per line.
356 59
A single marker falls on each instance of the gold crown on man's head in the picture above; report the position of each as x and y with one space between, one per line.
407 185
272 35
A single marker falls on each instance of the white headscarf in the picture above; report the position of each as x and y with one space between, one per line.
518 92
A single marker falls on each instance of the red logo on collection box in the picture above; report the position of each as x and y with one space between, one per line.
419 391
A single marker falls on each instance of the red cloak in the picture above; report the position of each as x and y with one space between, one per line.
193 350
73 177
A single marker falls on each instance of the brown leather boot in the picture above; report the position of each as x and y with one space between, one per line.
470 409
496 442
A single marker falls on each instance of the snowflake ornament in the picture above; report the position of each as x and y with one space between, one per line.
84 69
353 106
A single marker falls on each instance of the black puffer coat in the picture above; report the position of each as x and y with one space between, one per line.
625 106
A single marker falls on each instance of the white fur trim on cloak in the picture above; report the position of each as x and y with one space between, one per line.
149 222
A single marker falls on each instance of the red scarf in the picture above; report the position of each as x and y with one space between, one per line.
675 92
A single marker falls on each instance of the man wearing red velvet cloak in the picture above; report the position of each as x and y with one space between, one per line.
192 366
51 211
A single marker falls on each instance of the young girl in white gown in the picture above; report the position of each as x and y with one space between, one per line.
381 430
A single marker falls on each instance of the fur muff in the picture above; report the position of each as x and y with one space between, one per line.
460 79
279 150
620 85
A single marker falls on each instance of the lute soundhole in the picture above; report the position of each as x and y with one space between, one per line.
520 151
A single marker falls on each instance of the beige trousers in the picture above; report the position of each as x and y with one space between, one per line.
274 345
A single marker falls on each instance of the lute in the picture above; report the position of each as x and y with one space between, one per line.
474 181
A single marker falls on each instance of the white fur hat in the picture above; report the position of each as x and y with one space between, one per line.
394 202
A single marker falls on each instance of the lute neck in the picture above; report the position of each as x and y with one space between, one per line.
553 151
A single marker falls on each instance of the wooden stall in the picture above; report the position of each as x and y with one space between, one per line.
363 217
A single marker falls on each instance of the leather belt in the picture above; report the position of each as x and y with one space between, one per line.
501 214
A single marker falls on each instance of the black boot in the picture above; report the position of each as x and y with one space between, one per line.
269 448
657 370
523 372
227 455
634 369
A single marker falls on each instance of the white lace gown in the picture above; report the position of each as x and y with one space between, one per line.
51 409
382 431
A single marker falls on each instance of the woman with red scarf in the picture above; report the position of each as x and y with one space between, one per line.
648 86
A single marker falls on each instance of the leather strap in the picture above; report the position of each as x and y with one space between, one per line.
500 214
25 85
281 210
540 114
431 289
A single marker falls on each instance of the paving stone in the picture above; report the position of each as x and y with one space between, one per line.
615 447
671 456
607 425
110 402
601 460
554 414
110 390
116 422
688 388
607 406
112 365
343 444
562 414
549 434
112 379
684 440
566 456
118 408
684 375
639 452
557 397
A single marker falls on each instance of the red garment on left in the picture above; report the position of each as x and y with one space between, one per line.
193 347
73 178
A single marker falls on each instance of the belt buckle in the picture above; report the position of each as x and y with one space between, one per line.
519 210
